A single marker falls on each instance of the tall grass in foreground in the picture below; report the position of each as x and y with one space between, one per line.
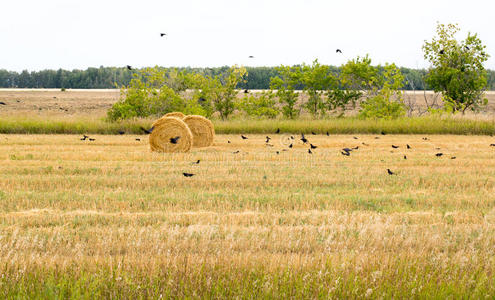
415 125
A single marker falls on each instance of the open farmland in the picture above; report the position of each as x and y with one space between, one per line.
73 103
108 218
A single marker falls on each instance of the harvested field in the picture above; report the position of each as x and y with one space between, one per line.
108 218
55 103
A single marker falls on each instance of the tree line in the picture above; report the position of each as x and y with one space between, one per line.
112 77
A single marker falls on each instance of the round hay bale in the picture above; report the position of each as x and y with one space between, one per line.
176 114
202 130
167 128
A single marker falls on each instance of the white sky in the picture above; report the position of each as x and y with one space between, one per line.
77 34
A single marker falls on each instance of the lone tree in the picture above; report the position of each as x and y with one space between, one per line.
457 68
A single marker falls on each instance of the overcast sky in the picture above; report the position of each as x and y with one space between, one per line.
77 34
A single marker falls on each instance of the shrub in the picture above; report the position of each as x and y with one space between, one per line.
262 105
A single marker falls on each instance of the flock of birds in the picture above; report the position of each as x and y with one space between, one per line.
346 151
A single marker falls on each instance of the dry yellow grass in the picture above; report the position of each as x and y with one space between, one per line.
341 222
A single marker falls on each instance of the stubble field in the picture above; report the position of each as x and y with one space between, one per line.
108 218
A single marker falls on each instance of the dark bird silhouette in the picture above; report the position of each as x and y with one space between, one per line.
269 145
251 56
174 139
121 132
84 137
291 137
303 139
129 68
162 34
453 157
2 103
138 139
235 152
268 139
338 51
355 148
408 147
405 157
377 137
425 139
439 154
313 133
188 174
395 147
278 130
201 99
228 142
278 152
290 146
309 151
313 146
146 130
345 153
196 162
364 144
328 134
383 132
492 145
347 150
355 137
441 52
92 140
246 91
390 172
243 137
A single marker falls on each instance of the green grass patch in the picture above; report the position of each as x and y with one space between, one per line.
415 125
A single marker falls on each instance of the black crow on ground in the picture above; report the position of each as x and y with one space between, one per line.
187 174
244 137
303 139
390 172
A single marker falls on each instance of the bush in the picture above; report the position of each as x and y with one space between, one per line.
382 106
259 106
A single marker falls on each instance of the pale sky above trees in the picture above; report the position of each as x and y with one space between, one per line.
71 34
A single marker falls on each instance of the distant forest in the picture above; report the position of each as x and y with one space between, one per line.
112 77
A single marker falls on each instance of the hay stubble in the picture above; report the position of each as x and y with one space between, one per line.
318 224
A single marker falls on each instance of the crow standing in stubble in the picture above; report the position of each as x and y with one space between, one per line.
303 139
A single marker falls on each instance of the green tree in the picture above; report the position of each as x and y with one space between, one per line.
385 100
316 80
260 105
457 69
223 90
148 94
284 86
356 76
